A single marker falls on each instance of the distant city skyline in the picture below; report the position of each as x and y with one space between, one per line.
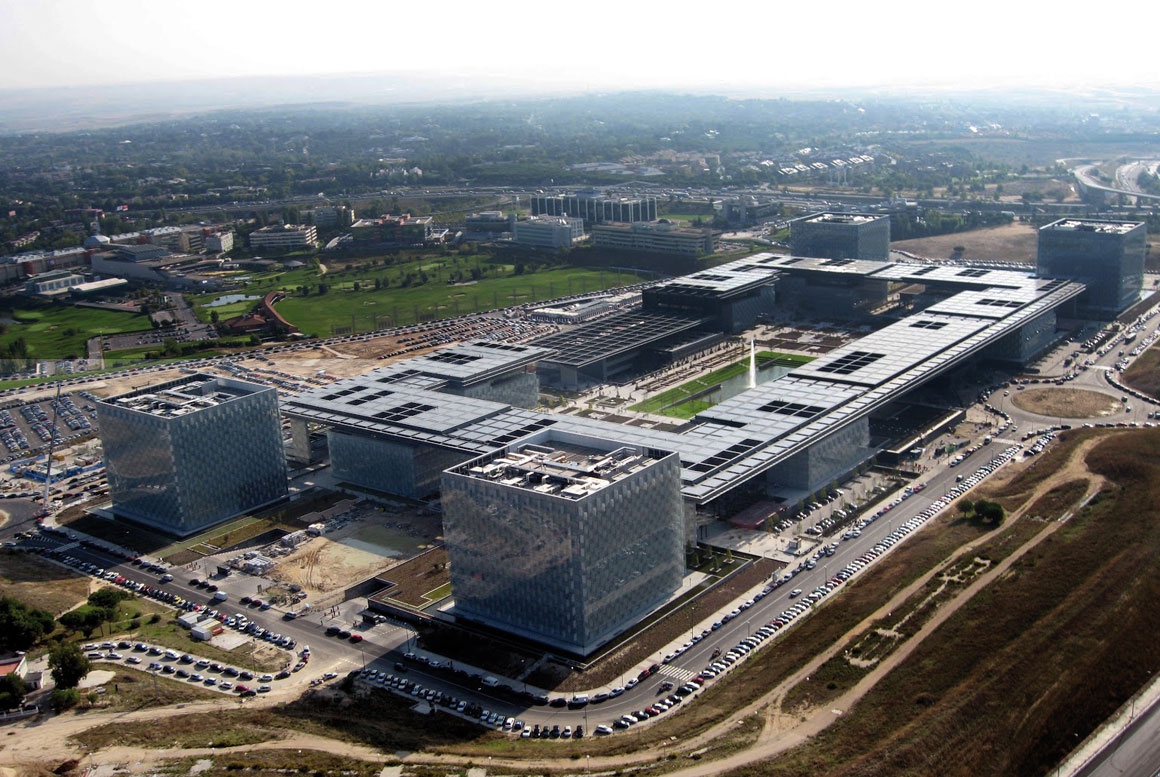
767 48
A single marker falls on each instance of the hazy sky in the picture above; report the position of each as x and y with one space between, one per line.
590 45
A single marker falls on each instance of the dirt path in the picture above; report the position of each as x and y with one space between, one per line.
781 731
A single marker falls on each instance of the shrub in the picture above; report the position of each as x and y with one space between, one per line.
65 698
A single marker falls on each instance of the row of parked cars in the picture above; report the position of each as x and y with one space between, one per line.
184 667
722 663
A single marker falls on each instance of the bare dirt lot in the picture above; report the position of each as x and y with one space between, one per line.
371 543
1011 243
1066 402
40 583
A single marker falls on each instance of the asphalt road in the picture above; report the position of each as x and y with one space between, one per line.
1135 752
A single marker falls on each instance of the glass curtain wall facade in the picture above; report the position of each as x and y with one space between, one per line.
1107 256
182 473
569 572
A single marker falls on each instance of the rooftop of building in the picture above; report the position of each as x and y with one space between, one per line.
285 228
842 218
139 249
563 221
1108 227
660 225
742 437
613 335
184 395
567 470
477 360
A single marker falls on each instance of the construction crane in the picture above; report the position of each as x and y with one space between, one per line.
46 505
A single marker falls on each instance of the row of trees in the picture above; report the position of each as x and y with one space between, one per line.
22 627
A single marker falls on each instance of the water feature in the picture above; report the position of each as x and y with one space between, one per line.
759 374
752 363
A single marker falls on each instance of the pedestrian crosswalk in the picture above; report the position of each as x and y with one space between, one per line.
676 672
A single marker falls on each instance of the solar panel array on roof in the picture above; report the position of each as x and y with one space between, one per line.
851 362
398 376
794 409
447 357
403 411
369 397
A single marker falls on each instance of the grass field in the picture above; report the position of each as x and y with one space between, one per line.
675 402
378 719
1072 619
59 331
41 583
1144 374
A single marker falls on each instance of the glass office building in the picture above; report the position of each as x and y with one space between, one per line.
192 452
841 236
567 539
1107 256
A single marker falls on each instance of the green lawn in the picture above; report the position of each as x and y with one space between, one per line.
55 331
675 402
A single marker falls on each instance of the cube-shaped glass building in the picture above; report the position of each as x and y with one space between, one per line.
192 452
564 538
1107 256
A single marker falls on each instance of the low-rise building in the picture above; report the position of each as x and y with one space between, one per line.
52 284
659 237
490 223
284 237
219 242
551 232
393 230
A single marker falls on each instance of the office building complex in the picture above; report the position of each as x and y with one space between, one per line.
841 236
1107 256
192 452
393 230
595 208
363 456
284 236
489 223
659 237
52 284
796 432
564 538
552 232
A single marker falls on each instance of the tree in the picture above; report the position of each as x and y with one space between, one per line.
21 626
991 512
12 691
68 665
85 619
965 506
108 598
